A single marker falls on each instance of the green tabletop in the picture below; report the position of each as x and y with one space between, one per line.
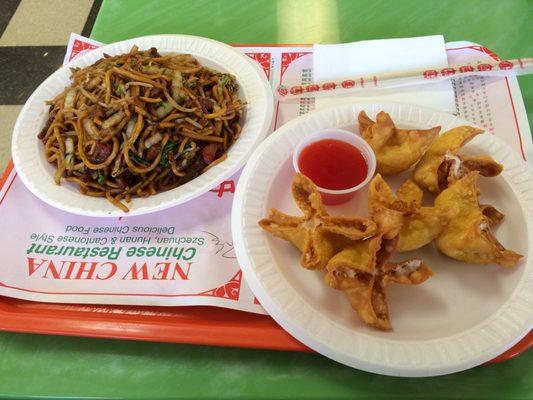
48 366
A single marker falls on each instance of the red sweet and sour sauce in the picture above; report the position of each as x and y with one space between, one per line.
333 164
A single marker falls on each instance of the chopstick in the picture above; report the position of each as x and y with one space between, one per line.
503 68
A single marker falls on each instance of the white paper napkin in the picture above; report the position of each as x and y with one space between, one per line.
342 61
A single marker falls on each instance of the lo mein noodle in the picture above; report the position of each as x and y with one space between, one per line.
140 123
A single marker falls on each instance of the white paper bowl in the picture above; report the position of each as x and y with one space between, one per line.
37 174
461 317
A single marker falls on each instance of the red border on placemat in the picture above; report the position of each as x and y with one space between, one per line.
192 324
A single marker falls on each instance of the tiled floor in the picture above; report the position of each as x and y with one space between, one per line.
33 40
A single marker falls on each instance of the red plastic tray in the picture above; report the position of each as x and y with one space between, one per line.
195 325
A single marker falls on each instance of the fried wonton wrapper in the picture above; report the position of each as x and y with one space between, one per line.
362 272
442 165
396 149
384 209
494 217
316 234
468 236
419 225
410 193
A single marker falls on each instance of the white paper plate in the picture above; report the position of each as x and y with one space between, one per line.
37 174
463 316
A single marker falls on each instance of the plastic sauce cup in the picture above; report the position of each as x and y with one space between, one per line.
332 196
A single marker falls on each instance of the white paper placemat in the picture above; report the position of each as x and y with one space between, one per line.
184 255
